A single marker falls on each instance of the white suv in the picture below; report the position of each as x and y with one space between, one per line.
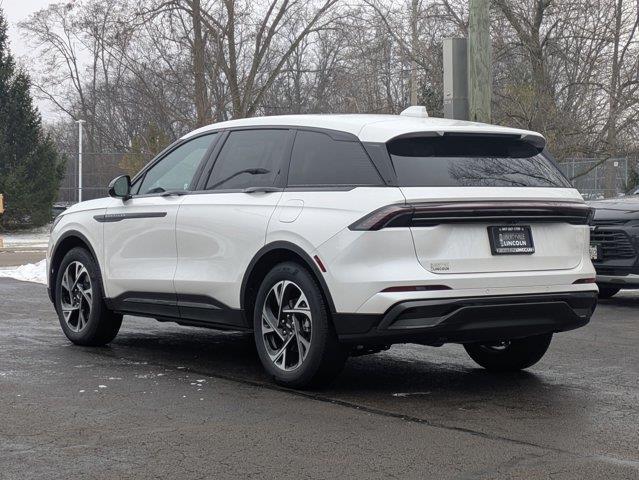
335 235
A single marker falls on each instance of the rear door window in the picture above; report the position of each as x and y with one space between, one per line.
472 161
319 160
249 158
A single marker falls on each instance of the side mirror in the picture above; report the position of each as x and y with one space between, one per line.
120 187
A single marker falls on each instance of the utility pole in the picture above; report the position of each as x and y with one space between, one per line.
455 78
479 63
80 123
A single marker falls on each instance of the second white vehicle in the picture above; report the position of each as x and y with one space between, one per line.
335 235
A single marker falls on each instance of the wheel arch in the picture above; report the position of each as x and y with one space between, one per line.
265 259
67 241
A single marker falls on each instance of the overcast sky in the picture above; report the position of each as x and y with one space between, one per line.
16 11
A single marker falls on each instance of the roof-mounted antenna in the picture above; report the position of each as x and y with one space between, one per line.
418 111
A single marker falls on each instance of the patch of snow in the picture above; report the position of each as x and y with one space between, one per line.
406 394
102 386
31 272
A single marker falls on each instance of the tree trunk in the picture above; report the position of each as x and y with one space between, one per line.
201 98
413 45
613 107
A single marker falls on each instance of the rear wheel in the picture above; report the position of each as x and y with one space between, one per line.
510 355
608 292
294 336
83 316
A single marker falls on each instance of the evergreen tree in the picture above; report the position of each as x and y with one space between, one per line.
30 167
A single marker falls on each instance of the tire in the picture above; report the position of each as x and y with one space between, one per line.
509 356
308 329
83 316
608 292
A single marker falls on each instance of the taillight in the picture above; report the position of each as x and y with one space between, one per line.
388 216
431 214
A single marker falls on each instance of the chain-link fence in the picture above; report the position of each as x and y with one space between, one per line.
598 178
98 169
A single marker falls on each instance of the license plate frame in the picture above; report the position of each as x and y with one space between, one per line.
511 240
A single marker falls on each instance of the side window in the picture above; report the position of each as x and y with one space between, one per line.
249 158
176 170
319 160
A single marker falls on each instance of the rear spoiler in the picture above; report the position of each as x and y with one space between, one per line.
535 140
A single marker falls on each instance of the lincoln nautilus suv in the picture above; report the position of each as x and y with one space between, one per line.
335 235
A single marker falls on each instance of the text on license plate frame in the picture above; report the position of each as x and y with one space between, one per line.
497 246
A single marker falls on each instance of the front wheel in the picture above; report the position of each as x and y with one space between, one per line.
294 335
510 355
84 317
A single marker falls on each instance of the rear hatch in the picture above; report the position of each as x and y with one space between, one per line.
485 204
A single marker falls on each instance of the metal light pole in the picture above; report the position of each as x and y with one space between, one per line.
80 123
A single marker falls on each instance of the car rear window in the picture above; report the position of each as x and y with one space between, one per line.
472 161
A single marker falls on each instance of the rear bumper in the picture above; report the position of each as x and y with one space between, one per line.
466 320
628 280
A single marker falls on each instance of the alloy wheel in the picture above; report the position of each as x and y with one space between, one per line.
287 325
76 296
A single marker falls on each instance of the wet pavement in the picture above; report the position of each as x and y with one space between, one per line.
164 401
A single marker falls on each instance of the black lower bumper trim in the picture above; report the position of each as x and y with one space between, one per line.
466 320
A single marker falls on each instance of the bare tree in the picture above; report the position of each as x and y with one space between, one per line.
145 72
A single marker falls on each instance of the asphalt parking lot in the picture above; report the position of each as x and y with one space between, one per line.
165 401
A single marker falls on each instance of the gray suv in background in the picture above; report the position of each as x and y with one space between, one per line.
614 243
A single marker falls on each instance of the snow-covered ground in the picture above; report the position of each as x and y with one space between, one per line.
31 272
36 239
25 244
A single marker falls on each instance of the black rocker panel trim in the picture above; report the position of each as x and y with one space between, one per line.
118 217
202 308
199 310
